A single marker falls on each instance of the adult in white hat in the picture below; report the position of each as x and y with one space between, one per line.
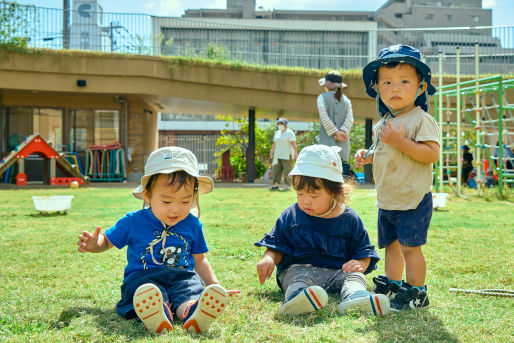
282 153
336 116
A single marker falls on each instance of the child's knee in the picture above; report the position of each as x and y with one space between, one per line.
411 251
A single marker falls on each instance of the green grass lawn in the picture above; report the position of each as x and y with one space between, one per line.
52 293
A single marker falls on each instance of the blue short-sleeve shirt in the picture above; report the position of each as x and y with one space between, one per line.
321 242
150 245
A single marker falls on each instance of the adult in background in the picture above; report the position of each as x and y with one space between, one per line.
336 116
467 163
282 153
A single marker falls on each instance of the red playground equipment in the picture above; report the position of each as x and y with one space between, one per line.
35 144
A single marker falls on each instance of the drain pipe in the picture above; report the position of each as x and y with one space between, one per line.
124 102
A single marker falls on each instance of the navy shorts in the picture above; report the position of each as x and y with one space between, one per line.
177 286
409 227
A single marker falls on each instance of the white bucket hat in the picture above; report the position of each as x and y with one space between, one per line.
332 80
319 161
168 160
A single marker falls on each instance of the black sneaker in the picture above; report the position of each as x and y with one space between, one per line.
409 297
383 285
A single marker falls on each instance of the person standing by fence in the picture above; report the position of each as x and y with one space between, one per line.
282 153
336 116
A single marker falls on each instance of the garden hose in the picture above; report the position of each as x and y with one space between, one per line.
493 292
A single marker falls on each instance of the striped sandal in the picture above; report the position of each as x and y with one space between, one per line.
307 300
151 309
200 313
365 302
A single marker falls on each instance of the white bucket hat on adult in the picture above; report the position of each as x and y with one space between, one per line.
319 161
168 160
332 80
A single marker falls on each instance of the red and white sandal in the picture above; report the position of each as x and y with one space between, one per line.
200 313
150 308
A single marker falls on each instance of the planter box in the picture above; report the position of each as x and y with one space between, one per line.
54 203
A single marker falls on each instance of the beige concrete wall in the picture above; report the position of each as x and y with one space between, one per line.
173 85
48 78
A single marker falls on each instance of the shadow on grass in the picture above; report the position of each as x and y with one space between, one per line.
410 326
110 323
47 214
307 320
276 295
106 321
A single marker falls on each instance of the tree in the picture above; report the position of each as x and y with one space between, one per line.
15 24
235 138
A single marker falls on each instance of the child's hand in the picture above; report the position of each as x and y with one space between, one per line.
352 266
360 160
88 242
265 268
392 136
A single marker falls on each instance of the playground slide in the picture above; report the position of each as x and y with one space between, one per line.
35 144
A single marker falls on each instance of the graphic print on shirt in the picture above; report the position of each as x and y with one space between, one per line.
167 248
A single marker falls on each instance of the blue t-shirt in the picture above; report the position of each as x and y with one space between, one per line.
321 242
145 237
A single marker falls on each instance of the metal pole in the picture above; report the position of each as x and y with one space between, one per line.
440 115
500 136
478 145
368 168
250 154
65 24
458 114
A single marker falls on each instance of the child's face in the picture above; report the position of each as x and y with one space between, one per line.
398 86
314 202
169 204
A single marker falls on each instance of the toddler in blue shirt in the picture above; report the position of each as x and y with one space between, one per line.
167 267
318 244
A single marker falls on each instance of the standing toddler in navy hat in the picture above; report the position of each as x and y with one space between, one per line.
406 145
166 263
318 244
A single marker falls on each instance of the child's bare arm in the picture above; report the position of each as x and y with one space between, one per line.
204 270
424 152
267 263
93 242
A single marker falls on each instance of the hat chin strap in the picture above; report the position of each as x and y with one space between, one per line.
391 113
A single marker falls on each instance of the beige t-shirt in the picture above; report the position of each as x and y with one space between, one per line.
401 182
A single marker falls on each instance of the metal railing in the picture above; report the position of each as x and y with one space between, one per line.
271 43
203 146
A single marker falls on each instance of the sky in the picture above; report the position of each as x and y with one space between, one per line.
502 9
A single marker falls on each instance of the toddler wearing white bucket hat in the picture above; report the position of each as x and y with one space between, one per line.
318 244
168 160
166 264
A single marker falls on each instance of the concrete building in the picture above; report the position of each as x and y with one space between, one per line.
433 13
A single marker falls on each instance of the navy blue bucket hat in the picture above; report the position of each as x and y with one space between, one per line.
402 54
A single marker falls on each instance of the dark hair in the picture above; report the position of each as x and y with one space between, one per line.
394 64
177 179
338 94
340 191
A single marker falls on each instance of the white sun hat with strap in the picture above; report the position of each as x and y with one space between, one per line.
171 159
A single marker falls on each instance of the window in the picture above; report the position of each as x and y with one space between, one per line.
398 15
475 18
449 17
94 128
429 16
26 121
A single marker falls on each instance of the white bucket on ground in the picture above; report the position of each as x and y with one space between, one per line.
439 199
54 203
